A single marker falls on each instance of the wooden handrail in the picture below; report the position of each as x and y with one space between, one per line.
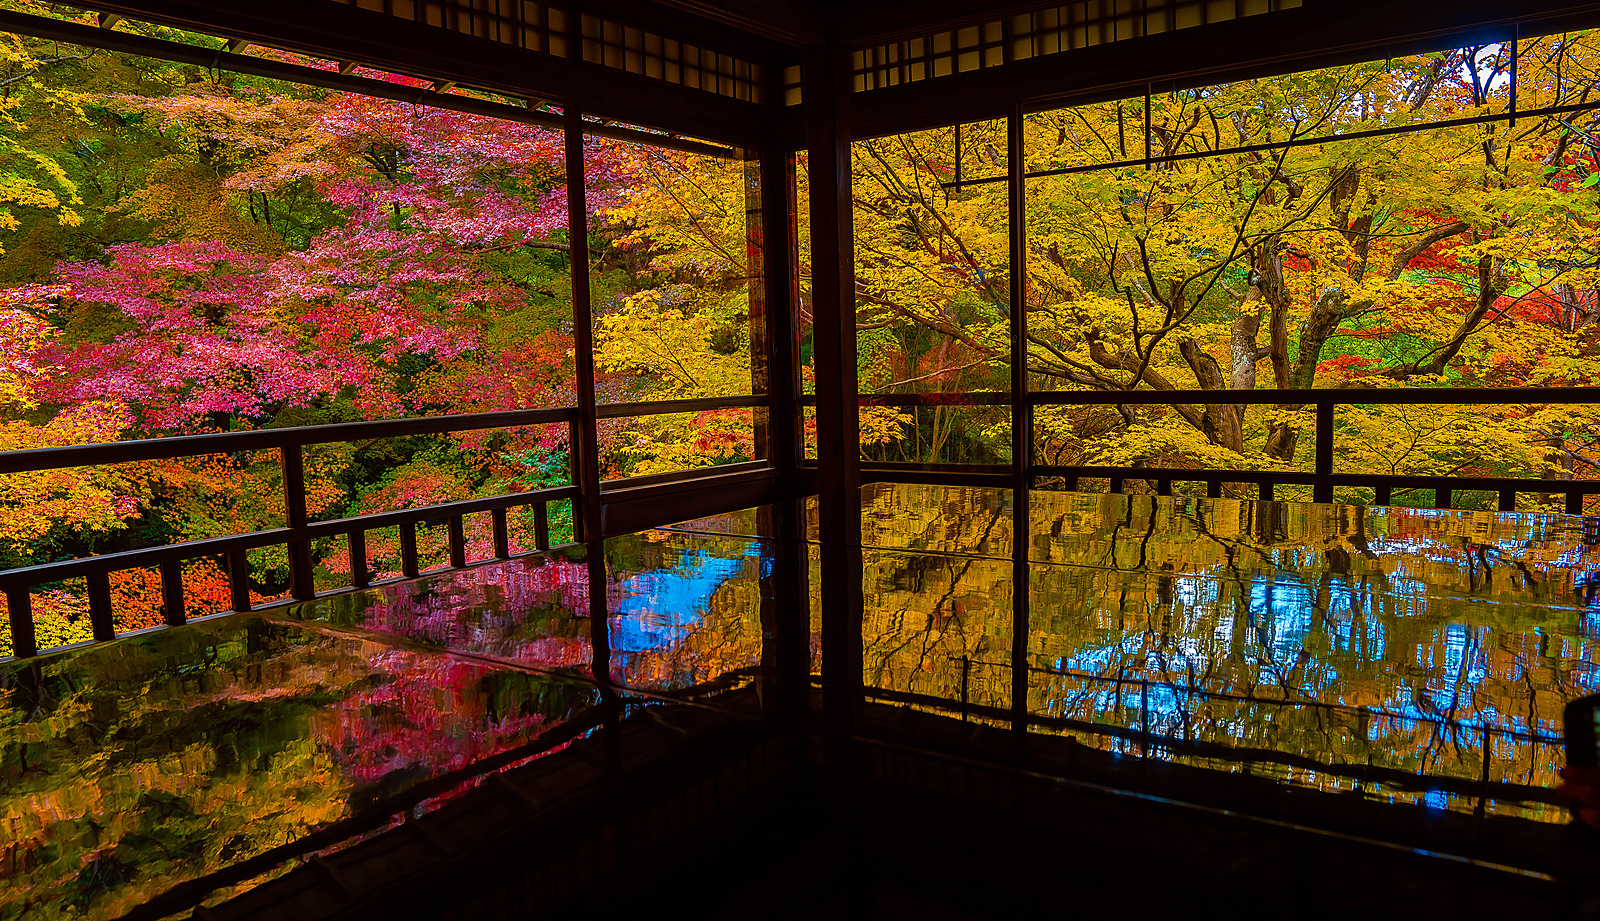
121 452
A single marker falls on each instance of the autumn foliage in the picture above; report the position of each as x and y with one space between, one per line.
188 251
1317 230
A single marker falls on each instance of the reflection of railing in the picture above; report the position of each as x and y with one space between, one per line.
1322 480
1148 739
299 531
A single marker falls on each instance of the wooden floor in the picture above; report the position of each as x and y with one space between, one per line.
719 814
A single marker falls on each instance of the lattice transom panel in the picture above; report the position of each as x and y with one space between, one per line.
1048 31
554 30
523 23
637 51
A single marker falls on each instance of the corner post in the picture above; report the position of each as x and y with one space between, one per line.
827 94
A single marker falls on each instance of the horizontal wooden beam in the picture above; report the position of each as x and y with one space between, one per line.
665 407
1333 396
624 510
121 452
345 33
1342 396
1322 33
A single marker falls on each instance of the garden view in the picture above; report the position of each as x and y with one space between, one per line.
186 250
191 250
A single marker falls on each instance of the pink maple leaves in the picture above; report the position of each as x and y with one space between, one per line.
211 336
202 338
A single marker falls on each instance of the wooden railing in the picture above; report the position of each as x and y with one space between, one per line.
1322 479
298 532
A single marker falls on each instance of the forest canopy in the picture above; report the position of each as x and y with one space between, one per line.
1348 228
187 250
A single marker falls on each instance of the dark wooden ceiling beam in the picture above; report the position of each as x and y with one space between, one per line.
1321 34
341 33
758 30
794 23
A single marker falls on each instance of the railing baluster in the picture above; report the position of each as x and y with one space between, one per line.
360 571
1574 502
502 534
408 550
1265 492
1071 484
1164 486
1384 495
574 446
541 526
1213 487
458 542
1116 485
239 580
1488 751
1322 490
1441 498
100 614
1508 500
301 584
172 611
19 606
1144 718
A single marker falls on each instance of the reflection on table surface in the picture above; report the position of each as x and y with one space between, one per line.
1334 646
1410 654
132 766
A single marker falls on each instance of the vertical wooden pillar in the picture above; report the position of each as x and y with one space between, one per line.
773 246
827 93
586 440
585 435
1021 420
1322 491
19 607
301 583
173 611
785 613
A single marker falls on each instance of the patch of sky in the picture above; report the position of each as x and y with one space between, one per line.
1191 591
1168 712
1099 659
1280 615
663 606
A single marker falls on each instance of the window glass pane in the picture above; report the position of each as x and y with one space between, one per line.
942 434
1556 70
671 269
673 442
1407 91
199 251
938 626
802 227
933 289
1084 136
1441 257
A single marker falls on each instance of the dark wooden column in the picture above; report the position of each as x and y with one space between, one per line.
827 100
1021 421
585 445
785 620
